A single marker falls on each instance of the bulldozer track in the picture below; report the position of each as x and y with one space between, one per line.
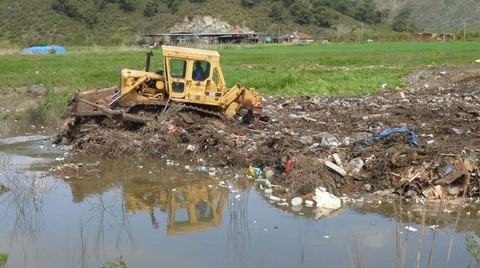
201 110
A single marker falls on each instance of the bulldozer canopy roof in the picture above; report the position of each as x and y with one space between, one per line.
185 52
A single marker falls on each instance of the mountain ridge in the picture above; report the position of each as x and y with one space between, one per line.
103 22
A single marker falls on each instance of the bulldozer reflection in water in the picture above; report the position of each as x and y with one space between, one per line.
192 207
191 202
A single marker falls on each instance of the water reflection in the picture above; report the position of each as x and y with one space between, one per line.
193 201
462 216
155 215
191 205
24 204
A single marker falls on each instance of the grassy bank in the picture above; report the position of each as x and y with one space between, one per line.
344 69
329 69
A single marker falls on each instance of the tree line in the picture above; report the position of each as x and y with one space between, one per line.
322 13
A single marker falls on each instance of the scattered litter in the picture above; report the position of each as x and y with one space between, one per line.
411 229
335 168
309 203
327 139
411 136
338 161
275 198
297 201
364 156
326 200
355 165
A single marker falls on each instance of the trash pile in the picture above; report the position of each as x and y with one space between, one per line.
420 141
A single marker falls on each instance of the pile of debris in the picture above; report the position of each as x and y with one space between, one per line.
421 141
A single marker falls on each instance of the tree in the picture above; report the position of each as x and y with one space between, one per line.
288 3
127 5
402 23
324 17
365 11
278 12
382 15
301 11
100 4
249 3
174 5
67 8
151 8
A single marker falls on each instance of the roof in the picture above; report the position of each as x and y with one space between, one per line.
238 30
190 34
297 35
185 52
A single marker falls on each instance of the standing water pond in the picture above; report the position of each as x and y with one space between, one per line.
144 213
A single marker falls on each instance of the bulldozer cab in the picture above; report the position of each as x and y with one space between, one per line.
193 74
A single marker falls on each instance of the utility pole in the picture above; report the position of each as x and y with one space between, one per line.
362 33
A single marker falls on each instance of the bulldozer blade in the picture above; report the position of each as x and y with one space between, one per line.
136 118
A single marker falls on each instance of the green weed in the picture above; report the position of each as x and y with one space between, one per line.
3 259
51 107
117 263
473 248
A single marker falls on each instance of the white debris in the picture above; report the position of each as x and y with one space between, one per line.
411 229
275 198
296 201
309 203
325 199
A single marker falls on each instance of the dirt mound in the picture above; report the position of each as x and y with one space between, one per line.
419 141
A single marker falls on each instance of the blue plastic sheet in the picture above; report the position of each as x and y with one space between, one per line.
411 136
44 50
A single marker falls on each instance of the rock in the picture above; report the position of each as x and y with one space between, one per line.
202 24
457 131
367 187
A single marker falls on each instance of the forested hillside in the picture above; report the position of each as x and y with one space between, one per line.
438 15
99 22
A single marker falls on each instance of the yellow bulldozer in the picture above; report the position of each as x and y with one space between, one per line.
191 77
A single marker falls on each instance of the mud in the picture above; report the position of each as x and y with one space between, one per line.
438 106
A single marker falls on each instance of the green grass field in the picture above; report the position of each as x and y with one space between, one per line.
332 69
286 70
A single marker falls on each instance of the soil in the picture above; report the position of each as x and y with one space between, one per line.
431 153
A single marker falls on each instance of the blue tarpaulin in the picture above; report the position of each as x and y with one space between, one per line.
411 136
44 50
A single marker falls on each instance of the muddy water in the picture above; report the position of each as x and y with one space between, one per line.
157 215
